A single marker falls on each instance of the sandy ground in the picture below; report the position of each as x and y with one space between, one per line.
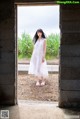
28 91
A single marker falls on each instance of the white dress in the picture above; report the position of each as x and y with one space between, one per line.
37 67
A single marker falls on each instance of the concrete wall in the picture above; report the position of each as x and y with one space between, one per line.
69 78
7 53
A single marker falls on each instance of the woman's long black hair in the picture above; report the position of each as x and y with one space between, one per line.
35 38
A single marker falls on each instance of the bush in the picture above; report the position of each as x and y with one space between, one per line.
53 43
25 46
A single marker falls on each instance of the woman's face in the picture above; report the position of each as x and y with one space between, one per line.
39 34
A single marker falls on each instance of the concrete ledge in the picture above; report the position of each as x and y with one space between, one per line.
51 68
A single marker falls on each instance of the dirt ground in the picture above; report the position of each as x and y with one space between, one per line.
27 90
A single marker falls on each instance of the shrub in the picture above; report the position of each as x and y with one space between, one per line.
25 46
53 43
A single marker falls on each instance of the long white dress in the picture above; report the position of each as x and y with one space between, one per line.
37 67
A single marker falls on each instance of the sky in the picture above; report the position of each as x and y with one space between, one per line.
31 18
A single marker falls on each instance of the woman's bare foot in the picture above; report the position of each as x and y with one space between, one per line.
37 83
43 83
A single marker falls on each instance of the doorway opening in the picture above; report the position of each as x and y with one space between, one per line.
29 19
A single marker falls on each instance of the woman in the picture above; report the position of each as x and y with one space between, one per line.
38 65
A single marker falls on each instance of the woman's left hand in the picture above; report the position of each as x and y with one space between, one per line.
43 59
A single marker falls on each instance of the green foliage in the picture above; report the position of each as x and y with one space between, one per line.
25 46
53 43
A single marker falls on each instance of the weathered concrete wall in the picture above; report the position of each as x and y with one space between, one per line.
7 53
69 78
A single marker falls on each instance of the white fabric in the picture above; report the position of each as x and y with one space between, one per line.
37 67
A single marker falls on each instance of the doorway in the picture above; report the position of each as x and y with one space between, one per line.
26 83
